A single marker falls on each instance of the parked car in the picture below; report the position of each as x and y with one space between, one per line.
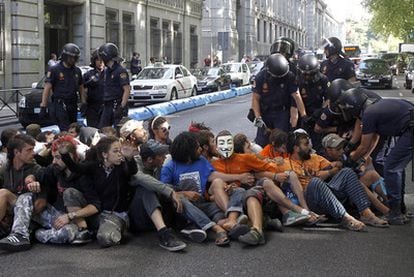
162 82
255 68
239 73
374 73
211 79
409 75
29 104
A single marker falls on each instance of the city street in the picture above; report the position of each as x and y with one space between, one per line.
379 252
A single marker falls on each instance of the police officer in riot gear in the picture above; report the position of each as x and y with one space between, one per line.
383 117
312 88
116 86
94 84
286 47
336 65
273 90
65 80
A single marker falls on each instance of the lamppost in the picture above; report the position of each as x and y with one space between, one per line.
208 10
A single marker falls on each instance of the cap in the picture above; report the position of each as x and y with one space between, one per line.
152 148
33 130
129 127
332 141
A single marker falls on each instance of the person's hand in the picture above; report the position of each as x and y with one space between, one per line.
177 202
121 111
229 187
259 123
279 160
128 149
43 113
192 195
337 164
31 184
247 178
61 221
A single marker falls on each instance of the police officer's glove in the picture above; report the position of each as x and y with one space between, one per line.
43 113
121 112
83 109
307 122
259 123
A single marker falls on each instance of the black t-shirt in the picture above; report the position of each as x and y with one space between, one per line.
65 81
94 82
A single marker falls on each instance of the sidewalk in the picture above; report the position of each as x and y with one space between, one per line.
7 116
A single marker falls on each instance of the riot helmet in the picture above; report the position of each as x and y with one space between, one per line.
332 46
70 50
336 88
277 65
94 58
284 46
351 103
308 67
108 52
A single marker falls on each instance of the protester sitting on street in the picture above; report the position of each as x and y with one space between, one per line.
189 173
343 183
20 195
208 145
198 126
243 145
276 149
334 152
159 129
111 174
155 204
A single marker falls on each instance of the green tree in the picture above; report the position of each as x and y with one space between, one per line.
394 17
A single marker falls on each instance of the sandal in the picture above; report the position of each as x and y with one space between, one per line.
315 219
238 230
353 225
222 239
375 222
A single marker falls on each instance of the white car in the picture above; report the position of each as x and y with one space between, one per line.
239 73
162 82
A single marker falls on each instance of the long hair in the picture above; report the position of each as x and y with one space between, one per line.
103 146
7 135
184 147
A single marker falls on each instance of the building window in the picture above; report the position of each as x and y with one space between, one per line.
2 40
258 30
155 38
193 46
112 27
178 44
270 32
264 31
128 36
167 37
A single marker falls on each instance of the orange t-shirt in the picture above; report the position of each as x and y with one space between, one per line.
269 152
244 163
304 169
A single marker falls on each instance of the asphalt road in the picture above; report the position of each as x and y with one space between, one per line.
379 252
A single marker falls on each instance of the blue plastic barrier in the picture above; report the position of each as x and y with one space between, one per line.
141 113
200 100
229 93
215 96
162 108
183 104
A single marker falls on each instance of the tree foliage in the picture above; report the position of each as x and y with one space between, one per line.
394 17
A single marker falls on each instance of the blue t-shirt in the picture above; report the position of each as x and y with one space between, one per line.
387 117
115 79
342 68
173 172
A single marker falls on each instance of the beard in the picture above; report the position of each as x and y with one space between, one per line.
304 155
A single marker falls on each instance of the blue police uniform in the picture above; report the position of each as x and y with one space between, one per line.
341 68
65 85
94 82
313 95
390 117
115 79
275 102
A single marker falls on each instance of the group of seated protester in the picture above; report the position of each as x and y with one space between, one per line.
75 186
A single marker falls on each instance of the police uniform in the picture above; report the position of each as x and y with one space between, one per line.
275 102
341 68
94 82
313 95
115 79
390 117
65 85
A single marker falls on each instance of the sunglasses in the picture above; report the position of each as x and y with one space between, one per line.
165 129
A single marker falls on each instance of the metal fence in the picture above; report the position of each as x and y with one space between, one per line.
9 101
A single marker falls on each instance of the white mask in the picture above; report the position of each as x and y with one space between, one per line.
225 145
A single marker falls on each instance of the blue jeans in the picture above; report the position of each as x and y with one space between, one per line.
396 162
199 213
235 201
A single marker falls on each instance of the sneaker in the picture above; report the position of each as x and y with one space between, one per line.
242 219
395 217
15 243
196 235
292 218
82 237
169 241
253 237
64 235
273 224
